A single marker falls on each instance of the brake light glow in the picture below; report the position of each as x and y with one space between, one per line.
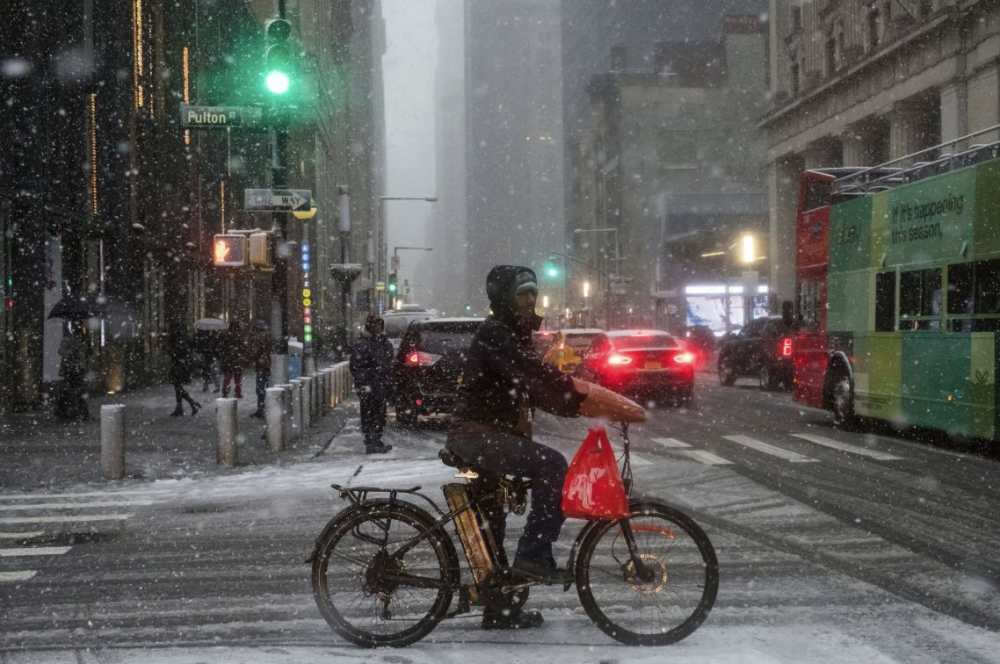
684 358
418 359
785 350
618 360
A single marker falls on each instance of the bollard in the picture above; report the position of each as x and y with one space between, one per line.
306 403
286 420
331 402
296 408
325 396
314 400
113 441
273 412
225 415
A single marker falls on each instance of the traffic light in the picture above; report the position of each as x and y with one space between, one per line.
393 285
551 270
277 56
229 251
261 250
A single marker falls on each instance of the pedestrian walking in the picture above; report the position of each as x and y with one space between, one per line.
206 344
233 355
371 367
181 359
260 357
73 353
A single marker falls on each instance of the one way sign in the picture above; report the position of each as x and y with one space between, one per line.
276 200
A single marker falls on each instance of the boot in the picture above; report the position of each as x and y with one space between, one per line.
178 412
505 618
195 407
547 572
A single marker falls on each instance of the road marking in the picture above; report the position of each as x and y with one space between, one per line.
670 442
108 495
637 460
64 519
24 535
760 446
704 457
10 577
35 551
846 447
71 506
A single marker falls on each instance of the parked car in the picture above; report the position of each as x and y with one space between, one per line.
542 340
700 341
762 349
429 366
645 363
398 320
568 346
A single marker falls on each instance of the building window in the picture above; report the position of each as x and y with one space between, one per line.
796 18
926 7
830 55
873 32
793 77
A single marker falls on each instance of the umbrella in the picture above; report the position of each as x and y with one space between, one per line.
211 324
88 305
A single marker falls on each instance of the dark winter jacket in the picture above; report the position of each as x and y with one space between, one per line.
504 377
179 347
234 348
371 365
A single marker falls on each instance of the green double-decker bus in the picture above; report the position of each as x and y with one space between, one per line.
901 322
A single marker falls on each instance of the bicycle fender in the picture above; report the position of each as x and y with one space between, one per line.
349 512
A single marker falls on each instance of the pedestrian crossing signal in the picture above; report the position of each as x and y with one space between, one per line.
229 250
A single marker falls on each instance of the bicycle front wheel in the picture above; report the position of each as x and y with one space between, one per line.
372 599
663 609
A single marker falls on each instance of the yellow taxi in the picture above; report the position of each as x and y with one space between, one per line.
569 346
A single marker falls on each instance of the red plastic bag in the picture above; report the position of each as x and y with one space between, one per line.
593 488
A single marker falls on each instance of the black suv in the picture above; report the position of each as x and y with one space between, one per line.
763 348
429 366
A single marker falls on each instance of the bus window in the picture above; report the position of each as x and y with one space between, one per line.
987 287
885 301
817 194
960 297
809 305
920 299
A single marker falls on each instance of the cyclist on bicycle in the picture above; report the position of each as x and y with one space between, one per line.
504 380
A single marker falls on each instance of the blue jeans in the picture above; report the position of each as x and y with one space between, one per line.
507 454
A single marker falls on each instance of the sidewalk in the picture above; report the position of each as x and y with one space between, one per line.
40 452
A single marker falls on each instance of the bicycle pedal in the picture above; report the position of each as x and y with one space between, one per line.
514 587
467 475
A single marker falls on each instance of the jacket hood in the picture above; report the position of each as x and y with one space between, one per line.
502 282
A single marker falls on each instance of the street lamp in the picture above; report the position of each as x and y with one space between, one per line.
383 248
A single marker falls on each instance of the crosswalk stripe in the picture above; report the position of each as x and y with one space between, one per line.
34 551
670 442
636 460
72 506
10 577
760 446
704 457
64 519
107 495
846 447
24 535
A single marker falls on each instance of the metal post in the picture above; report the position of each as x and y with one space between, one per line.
273 414
297 409
279 279
113 441
227 428
307 400
286 415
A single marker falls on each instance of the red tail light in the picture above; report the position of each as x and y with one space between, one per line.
684 358
618 360
418 359
785 349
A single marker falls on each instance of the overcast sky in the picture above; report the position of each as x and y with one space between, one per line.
408 70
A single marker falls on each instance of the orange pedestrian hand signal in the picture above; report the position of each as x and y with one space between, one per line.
229 251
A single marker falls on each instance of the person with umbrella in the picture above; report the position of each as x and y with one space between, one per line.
207 339
233 355
73 352
180 368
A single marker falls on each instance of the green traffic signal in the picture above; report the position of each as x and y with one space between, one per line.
393 284
277 82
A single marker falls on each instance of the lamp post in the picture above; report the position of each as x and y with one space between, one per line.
383 248
609 308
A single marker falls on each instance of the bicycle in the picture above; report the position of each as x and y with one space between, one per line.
408 569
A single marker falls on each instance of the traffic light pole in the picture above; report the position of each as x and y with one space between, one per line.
279 279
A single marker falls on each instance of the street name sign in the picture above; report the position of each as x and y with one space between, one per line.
276 200
221 116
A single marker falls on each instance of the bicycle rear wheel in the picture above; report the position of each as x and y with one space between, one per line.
667 608
349 575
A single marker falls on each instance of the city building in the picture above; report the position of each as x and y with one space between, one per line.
106 192
666 177
513 138
860 82
449 214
